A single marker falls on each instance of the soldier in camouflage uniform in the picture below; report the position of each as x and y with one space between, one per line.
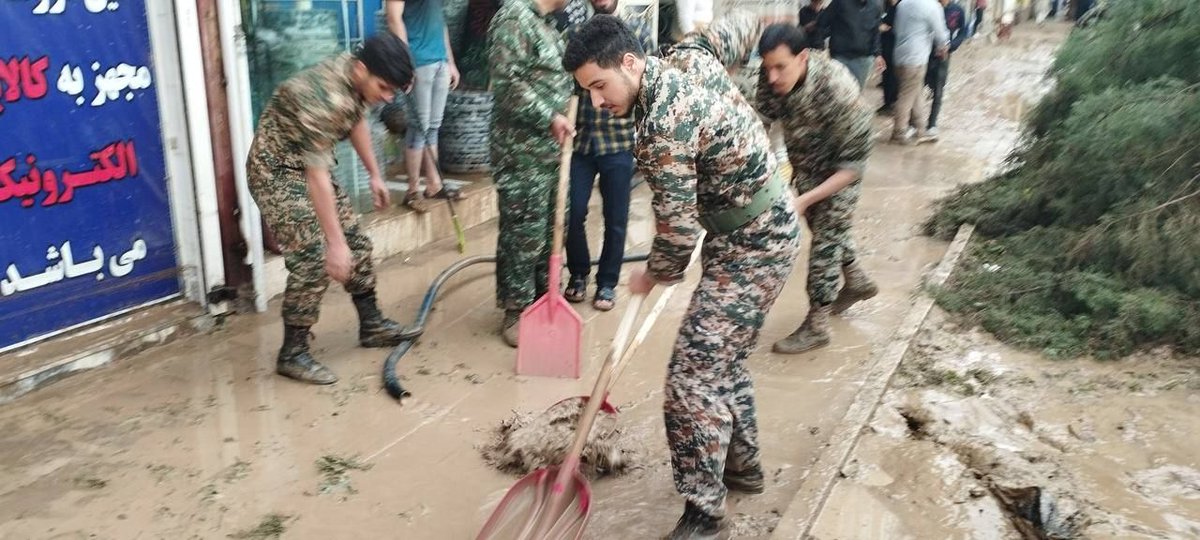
289 175
706 156
827 131
531 92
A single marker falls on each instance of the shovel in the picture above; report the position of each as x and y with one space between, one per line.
609 408
555 502
459 235
551 332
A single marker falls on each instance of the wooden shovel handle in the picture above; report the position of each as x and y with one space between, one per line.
564 177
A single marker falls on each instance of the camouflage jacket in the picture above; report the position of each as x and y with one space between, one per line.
308 114
528 81
708 55
700 144
826 125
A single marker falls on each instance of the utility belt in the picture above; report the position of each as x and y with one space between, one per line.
732 219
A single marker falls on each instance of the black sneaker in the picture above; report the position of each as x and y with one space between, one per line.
745 481
696 525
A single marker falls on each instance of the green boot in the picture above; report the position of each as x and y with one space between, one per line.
295 362
858 287
374 330
510 328
814 333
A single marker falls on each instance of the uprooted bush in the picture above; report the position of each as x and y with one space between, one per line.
1136 41
1089 243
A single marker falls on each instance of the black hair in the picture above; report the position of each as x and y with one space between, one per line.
782 34
387 57
603 39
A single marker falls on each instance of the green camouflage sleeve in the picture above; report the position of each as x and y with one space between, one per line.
674 145
731 38
510 51
851 122
312 123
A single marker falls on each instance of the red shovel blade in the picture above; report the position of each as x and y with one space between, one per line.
526 505
605 406
550 338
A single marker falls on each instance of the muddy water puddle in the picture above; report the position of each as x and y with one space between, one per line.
976 440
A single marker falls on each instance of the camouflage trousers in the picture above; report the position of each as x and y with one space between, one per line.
708 403
832 244
526 186
282 196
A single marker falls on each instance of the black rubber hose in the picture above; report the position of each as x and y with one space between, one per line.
391 382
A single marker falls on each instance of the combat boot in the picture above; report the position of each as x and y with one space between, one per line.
374 330
696 525
295 362
814 333
858 287
511 327
750 481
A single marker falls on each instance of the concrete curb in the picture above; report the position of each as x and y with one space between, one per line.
802 513
119 339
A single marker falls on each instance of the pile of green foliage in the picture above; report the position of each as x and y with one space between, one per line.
1090 242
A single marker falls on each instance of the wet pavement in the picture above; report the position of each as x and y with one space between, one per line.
200 439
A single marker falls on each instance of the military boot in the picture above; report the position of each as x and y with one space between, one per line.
374 330
295 362
749 481
858 287
812 334
511 327
695 524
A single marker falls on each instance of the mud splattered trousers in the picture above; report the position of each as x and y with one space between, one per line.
709 397
832 244
282 196
526 184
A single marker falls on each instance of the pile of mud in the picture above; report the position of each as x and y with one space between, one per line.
526 442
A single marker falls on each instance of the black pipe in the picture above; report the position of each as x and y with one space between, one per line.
391 382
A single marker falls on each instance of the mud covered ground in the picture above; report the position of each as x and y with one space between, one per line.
977 440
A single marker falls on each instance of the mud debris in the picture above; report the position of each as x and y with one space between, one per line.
271 527
526 442
336 473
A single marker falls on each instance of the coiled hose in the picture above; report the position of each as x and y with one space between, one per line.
391 382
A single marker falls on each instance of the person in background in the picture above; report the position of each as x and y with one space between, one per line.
421 24
289 173
980 10
891 85
604 146
531 91
920 31
852 27
827 131
808 22
939 67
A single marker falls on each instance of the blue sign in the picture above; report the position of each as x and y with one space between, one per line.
85 220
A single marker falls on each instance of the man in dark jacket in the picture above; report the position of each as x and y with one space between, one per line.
939 68
852 27
891 84
809 14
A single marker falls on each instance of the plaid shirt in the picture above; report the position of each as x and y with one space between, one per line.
598 132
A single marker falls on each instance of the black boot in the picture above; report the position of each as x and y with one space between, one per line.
295 362
696 525
750 481
373 329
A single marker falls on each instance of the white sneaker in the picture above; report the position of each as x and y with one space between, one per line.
932 131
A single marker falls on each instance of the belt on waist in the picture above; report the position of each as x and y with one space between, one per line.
732 219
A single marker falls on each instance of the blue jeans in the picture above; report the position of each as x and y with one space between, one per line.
859 66
616 174
427 104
